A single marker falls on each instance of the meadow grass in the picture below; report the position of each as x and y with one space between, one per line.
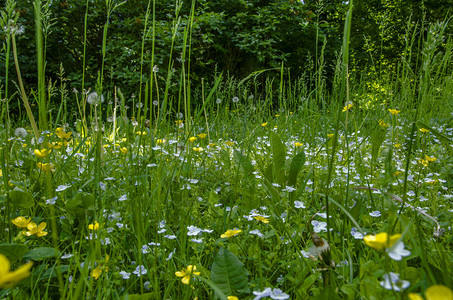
297 192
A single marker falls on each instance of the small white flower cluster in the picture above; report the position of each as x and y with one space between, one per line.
357 234
397 251
319 226
195 231
276 294
392 281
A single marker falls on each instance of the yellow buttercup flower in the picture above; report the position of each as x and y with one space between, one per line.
432 181
430 159
45 167
96 272
297 144
53 145
397 145
438 292
230 233
192 139
197 149
42 153
141 133
262 219
123 150
394 111
9 279
229 143
381 240
62 134
21 222
160 141
101 267
264 124
347 107
94 226
187 273
37 230
232 298
202 135
424 130
382 124
424 162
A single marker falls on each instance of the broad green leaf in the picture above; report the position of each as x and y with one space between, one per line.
377 138
228 272
13 252
244 163
52 272
41 253
297 163
279 158
80 204
268 173
21 198
349 290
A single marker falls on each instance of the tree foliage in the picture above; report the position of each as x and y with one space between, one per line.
236 36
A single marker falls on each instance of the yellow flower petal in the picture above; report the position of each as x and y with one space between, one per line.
394 111
21 222
4 265
230 233
186 279
381 240
413 296
94 226
438 292
262 219
41 233
96 272
347 107
430 159
424 130
42 153
180 273
10 279
42 225
32 226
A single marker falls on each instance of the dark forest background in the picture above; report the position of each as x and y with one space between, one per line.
236 37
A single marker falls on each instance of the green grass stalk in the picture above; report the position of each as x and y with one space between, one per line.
40 64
